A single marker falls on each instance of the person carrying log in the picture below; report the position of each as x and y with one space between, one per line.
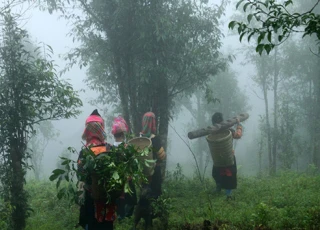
226 176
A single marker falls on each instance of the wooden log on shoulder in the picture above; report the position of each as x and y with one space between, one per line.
217 127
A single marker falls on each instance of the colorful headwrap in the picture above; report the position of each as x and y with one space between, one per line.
94 133
119 126
148 124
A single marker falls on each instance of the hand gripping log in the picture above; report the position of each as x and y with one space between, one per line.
217 127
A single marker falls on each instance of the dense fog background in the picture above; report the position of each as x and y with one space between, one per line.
52 30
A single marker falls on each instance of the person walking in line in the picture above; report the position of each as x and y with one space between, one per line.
95 214
151 190
126 202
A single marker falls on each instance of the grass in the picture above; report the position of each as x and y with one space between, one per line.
286 201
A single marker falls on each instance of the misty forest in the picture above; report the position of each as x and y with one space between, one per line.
208 114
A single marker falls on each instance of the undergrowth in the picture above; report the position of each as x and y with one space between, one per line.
286 201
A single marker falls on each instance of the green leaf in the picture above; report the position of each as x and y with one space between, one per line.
61 193
249 17
261 37
286 3
250 35
232 24
259 48
115 175
269 36
240 29
245 6
241 36
268 48
56 173
65 162
53 177
238 4
280 37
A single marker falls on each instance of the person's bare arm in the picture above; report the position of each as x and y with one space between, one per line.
238 132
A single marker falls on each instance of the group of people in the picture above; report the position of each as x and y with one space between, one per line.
95 215
99 215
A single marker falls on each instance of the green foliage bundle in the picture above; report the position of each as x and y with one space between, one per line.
112 169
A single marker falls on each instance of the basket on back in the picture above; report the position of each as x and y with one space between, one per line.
144 144
221 148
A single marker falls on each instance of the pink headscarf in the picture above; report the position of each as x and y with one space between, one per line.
119 126
94 133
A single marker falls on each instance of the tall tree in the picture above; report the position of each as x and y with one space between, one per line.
144 53
30 92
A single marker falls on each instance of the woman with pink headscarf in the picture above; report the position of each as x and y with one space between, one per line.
119 129
126 202
152 190
95 215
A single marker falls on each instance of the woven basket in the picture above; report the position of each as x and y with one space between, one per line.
144 144
221 148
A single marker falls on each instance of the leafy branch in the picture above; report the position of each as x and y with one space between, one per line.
275 19
112 169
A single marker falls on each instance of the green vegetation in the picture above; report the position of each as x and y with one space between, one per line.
107 173
30 93
286 201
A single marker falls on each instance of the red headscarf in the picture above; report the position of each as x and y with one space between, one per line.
148 124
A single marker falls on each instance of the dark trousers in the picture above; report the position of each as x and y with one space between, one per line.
87 216
225 177
148 193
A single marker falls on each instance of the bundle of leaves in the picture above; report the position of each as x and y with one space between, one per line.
106 174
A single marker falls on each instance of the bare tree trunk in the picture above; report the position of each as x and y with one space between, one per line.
260 155
199 119
276 108
18 196
268 128
164 114
123 91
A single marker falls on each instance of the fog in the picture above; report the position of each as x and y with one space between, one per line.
52 30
